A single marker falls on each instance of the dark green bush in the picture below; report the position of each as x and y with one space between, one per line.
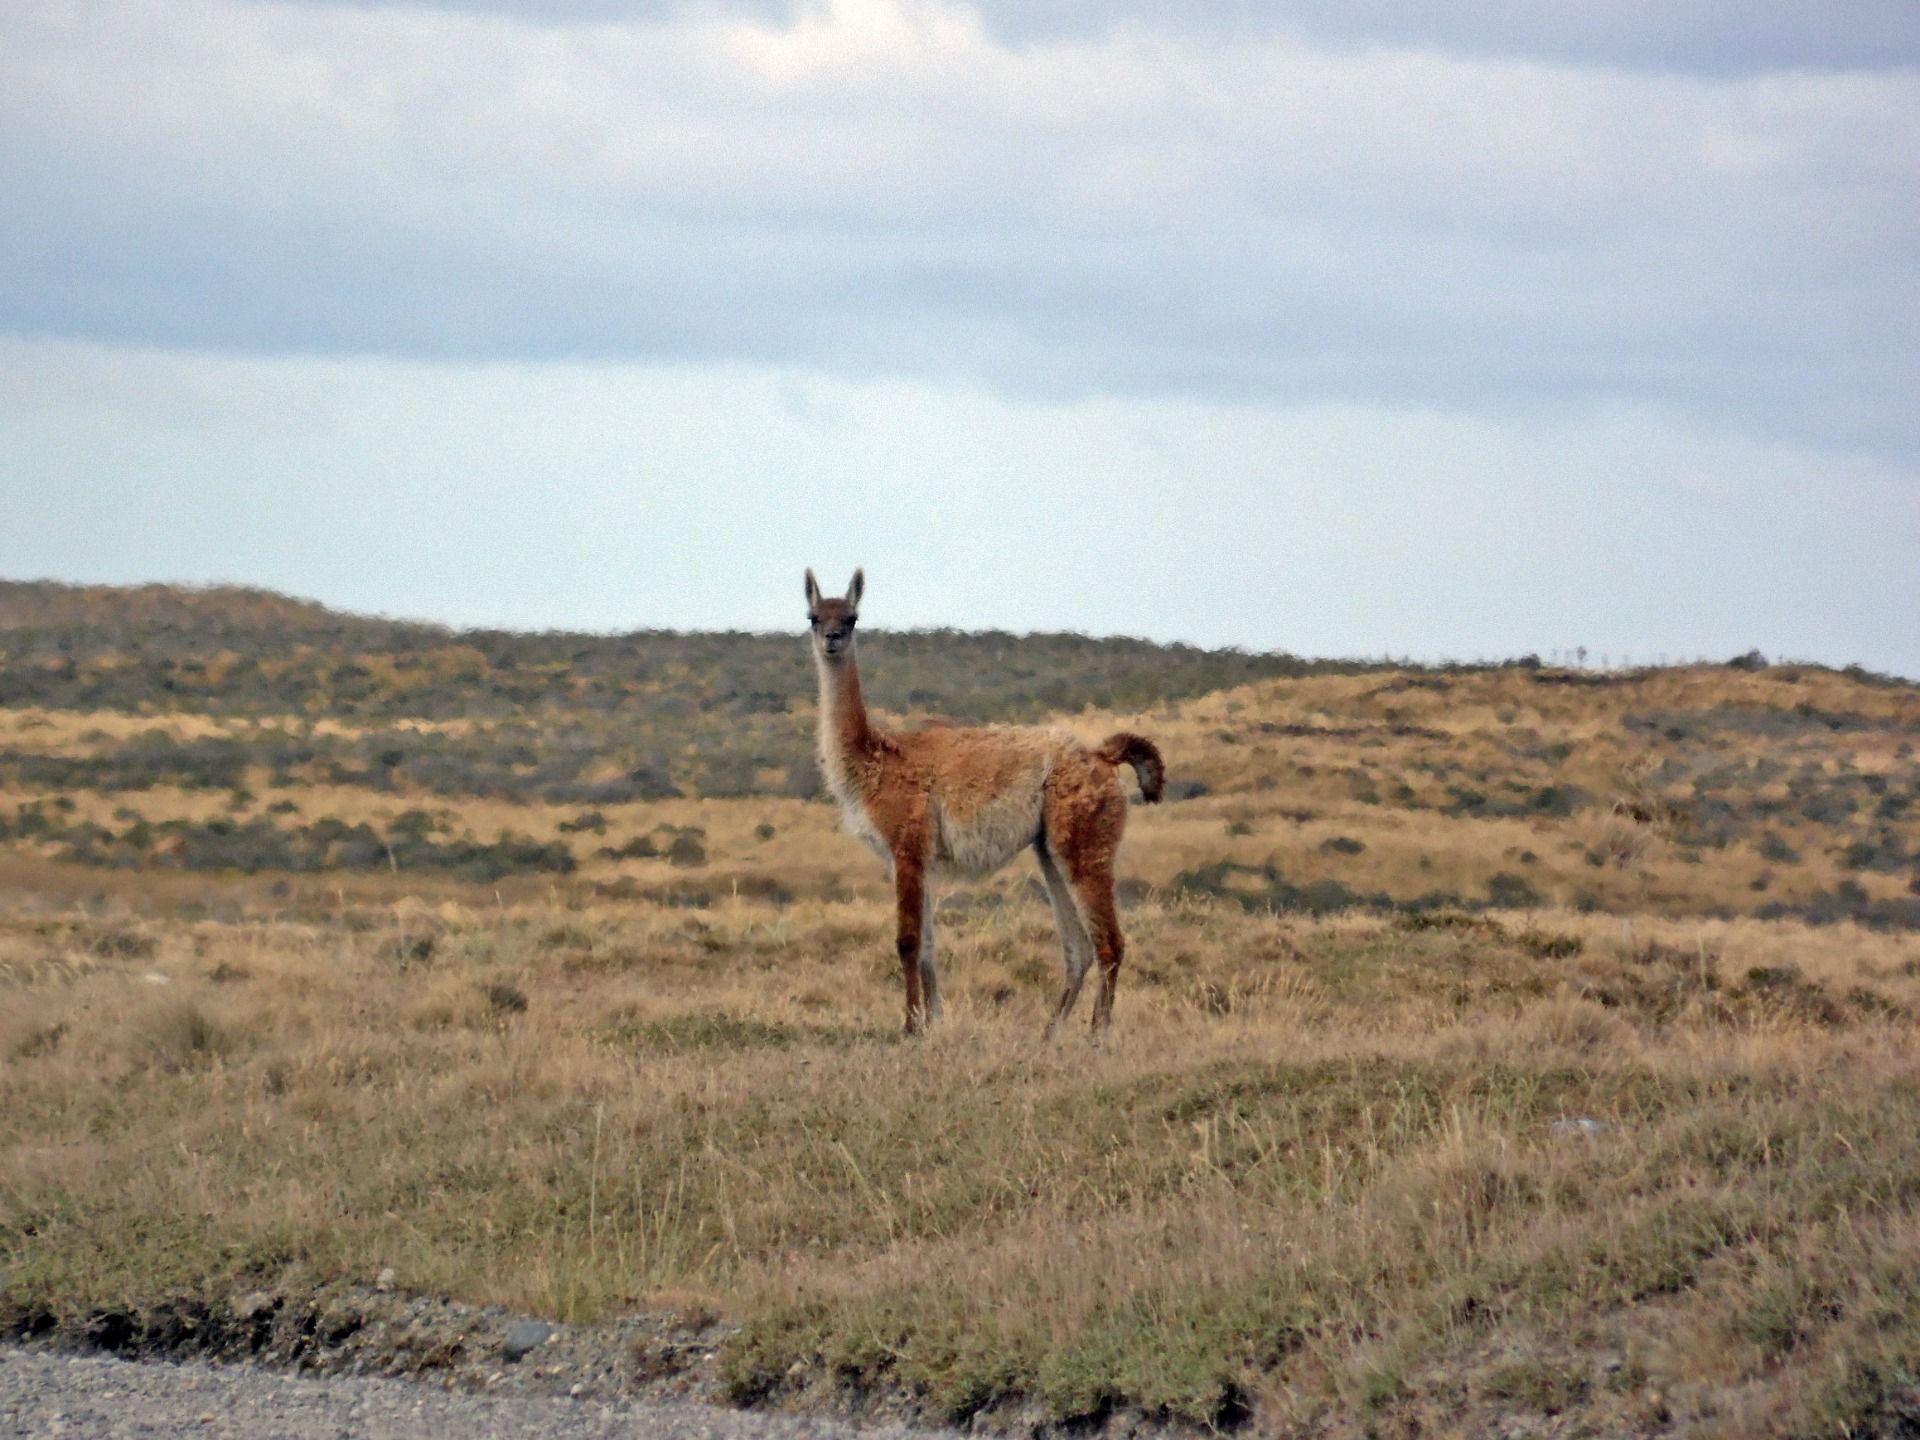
1511 892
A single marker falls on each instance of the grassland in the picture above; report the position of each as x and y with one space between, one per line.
1496 1050
1707 790
1326 1171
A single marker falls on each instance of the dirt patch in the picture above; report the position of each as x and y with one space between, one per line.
365 1330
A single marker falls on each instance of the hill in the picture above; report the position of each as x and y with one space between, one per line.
554 716
238 652
1702 790
231 732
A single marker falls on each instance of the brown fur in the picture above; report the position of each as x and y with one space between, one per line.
966 800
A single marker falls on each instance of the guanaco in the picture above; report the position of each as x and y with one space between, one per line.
965 801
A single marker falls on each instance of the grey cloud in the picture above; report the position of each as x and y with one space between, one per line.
1704 36
1038 325
1701 36
575 13
1228 222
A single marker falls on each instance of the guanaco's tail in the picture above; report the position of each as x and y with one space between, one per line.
1126 748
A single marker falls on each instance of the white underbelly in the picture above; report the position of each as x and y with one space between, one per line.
982 843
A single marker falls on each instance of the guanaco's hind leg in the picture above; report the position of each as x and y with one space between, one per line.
1084 819
1075 948
909 890
1093 887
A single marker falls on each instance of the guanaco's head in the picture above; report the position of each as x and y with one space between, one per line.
833 620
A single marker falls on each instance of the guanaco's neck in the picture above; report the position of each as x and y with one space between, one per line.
844 731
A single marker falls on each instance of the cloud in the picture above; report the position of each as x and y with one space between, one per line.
1667 35
1345 210
1700 36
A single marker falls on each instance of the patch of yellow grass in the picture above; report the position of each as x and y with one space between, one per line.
1314 1169
1367 781
1316 1175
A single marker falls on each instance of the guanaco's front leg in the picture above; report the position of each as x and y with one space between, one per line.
909 885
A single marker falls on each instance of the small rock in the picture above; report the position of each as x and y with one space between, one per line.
523 1338
385 1279
576 1390
248 1306
154 977
1583 1126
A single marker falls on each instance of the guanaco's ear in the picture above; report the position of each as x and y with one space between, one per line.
813 592
853 591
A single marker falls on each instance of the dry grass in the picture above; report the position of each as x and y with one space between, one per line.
1656 790
1704 791
1619 1157
1314 1176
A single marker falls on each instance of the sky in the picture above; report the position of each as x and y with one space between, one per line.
1342 327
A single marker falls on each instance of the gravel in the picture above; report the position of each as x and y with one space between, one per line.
47 1394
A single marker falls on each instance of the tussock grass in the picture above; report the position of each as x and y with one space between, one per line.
1703 790
1474 1068
1313 1175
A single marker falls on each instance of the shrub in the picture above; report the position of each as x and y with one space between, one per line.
651 782
504 999
414 823
179 1035
1558 801
410 947
122 944
730 777
1255 887
1885 853
1551 947
1508 891
687 848
37 1040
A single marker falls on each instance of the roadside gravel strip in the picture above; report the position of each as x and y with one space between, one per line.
44 1394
